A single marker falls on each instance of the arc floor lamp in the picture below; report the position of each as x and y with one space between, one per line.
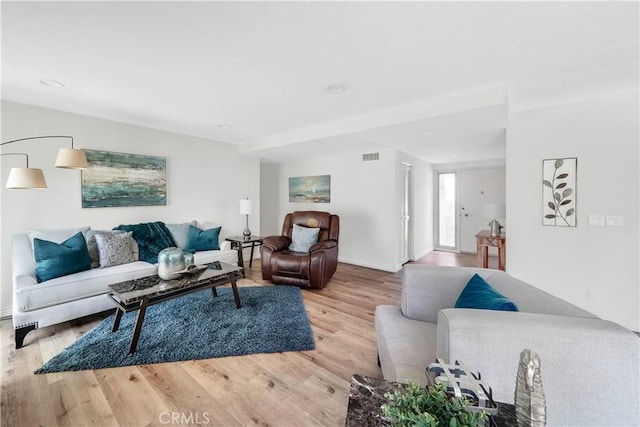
24 178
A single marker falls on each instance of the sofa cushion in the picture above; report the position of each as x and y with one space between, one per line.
405 346
115 249
60 259
203 240
77 286
302 238
180 233
206 257
479 294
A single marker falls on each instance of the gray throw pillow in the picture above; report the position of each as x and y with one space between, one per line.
303 238
92 246
115 249
180 233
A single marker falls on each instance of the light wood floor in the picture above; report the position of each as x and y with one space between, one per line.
282 389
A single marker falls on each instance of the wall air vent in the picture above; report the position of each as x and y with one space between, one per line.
370 157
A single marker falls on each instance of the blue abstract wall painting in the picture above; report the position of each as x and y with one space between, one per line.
120 179
310 189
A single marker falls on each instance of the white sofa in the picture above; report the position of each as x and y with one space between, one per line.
590 367
36 305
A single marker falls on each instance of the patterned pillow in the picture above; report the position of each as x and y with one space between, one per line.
303 238
93 246
115 249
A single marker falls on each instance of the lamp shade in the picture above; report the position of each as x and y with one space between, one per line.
23 178
494 211
71 158
245 207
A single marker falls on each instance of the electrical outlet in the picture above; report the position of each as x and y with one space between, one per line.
596 220
615 221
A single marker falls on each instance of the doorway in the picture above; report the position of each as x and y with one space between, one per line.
406 217
447 222
461 197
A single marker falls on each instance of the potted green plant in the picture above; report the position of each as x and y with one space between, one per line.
417 406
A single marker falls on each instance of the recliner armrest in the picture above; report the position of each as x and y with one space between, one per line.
323 245
276 243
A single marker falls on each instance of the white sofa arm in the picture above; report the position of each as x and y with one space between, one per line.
590 367
426 290
23 268
224 245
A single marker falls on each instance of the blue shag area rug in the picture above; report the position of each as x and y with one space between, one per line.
196 326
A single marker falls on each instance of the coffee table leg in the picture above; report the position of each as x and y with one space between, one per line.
236 296
214 291
138 328
116 320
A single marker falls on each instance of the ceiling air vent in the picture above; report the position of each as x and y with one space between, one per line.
370 157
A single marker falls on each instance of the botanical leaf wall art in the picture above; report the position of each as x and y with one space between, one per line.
559 192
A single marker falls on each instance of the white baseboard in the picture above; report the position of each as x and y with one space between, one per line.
423 253
5 312
388 268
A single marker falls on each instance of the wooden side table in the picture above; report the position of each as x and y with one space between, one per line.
240 242
484 239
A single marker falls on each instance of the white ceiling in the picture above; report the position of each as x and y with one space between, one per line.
263 68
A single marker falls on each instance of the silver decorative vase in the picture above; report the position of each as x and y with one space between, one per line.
170 261
189 259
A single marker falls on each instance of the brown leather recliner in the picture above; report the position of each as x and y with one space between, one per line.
309 270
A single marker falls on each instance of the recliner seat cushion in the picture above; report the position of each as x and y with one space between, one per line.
289 263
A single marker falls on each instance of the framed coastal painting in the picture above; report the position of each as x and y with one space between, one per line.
310 189
559 191
120 179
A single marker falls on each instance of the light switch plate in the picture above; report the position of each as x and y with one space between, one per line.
596 220
615 221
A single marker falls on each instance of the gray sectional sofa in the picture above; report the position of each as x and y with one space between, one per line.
590 367
36 305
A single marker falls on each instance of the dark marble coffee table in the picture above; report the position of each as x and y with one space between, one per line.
138 294
366 396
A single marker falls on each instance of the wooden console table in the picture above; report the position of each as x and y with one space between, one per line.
484 239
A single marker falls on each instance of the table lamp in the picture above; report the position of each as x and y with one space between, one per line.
494 211
245 209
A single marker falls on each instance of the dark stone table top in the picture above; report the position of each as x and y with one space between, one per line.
366 396
153 286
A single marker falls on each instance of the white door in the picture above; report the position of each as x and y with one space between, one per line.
406 219
477 188
447 213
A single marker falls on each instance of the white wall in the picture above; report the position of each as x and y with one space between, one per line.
366 196
423 202
573 263
205 179
270 190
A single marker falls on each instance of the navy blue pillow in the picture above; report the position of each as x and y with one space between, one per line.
202 240
59 259
479 294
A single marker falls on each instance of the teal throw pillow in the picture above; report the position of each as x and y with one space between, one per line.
479 294
59 259
202 240
303 238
